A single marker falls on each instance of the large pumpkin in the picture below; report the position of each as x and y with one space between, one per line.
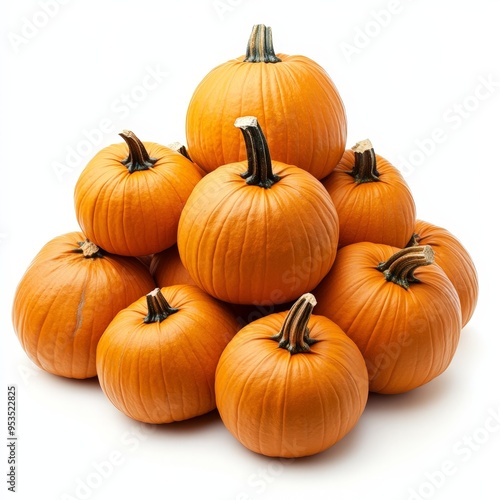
456 262
373 201
156 360
297 103
258 231
129 197
67 297
400 309
291 384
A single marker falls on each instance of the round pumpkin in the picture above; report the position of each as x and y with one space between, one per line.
456 262
156 360
63 302
129 197
258 231
373 201
167 269
297 103
291 384
400 309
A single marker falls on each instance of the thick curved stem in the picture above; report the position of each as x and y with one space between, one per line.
88 249
158 307
365 163
294 334
260 46
260 168
399 268
138 158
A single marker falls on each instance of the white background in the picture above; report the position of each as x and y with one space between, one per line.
418 74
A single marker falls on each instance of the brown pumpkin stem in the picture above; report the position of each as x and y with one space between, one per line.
260 46
365 163
294 334
260 168
158 307
180 148
415 238
88 249
399 268
138 158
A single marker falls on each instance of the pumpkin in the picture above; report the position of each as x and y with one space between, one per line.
456 262
258 231
63 304
373 201
297 103
156 360
129 197
167 269
400 309
291 384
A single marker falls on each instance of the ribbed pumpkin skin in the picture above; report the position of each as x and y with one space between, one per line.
378 212
249 245
137 213
455 261
298 106
407 337
63 304
165 372
290 405
167 269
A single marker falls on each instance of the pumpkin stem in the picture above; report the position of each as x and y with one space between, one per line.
180 148
260 46
400 267
88 249
415 238
365 163
138 158
158 307
260 168
294 334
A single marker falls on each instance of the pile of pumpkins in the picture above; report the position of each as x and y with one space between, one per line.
264 270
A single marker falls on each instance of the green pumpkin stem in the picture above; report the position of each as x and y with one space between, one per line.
260 46
294 334
138 158
260 168
88 249
158 307
365 163
399 268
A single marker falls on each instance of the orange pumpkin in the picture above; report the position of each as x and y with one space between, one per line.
129 197
456 262
63 303
291 384
400 309
167 269
297 103
258 231
156 360
373 201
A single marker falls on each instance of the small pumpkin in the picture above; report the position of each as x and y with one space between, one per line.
62 304
129 197
400 309
456 262
258 231
297 103
291 384
373 201
156 360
